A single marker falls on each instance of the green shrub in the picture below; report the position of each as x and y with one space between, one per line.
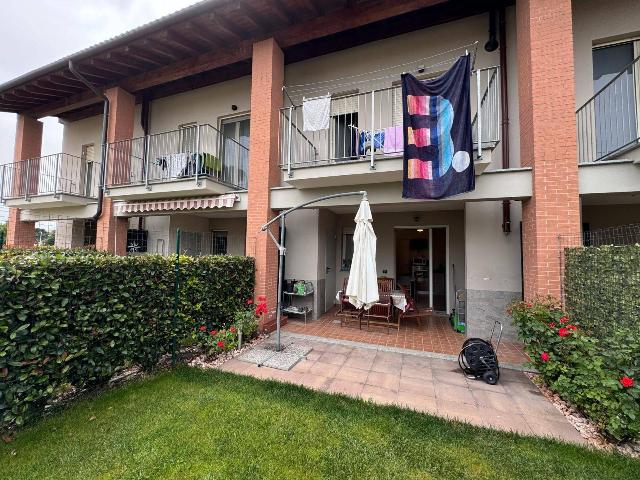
78 317
576 365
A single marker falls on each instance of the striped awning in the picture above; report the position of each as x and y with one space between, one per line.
175 204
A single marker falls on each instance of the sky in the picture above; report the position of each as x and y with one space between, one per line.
34 33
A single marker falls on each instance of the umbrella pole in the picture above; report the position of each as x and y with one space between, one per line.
282 250
281 254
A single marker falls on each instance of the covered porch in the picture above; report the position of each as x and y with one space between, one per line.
448 257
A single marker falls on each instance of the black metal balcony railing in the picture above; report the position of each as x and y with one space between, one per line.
56 174
358 117
608 122
193 152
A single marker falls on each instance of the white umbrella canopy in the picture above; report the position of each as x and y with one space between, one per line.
362 288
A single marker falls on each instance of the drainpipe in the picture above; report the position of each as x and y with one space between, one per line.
504 114
105 124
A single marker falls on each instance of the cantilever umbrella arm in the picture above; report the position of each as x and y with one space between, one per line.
282 249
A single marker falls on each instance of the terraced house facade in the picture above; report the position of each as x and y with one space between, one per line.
195 121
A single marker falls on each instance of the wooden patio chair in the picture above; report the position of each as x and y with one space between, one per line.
412 312
381 313
346 310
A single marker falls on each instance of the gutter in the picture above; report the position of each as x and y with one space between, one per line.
105 124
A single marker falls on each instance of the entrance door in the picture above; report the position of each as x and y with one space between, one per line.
422 265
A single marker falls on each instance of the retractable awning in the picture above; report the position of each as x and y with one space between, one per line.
125 209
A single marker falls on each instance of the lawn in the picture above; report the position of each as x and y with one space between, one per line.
189 423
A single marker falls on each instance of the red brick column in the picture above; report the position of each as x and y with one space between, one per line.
548 139
28 145
267 78
112 231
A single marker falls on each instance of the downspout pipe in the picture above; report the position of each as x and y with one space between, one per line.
105 126
504 114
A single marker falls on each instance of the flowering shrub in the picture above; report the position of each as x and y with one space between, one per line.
245 325
573 363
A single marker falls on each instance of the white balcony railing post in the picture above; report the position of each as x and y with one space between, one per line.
289 145
373 118
479 112
147 141
27 174
2 177
55 175
197 153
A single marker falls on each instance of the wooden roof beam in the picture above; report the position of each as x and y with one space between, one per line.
208 39
156 49
143 55
34 89
52 87
64 80
96 72
226 26
21 100
127 62
173 38
111 68
24 94
284 12
250 14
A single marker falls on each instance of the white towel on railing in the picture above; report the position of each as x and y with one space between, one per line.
315 113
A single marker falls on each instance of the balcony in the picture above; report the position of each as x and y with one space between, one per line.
193 160
59 180
343 153
608 123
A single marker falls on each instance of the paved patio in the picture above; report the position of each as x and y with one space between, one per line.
436 335
421 382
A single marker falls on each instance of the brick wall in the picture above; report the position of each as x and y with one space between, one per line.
266 99
28 145
546 88
112 231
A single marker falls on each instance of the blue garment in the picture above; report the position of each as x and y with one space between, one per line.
365 141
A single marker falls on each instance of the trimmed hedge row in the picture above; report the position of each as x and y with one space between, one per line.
602 288
78 317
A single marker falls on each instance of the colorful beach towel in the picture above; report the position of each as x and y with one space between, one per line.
438 145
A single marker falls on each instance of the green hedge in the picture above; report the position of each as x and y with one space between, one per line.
78 317
602 288
601 376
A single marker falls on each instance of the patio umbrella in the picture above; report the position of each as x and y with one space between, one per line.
362 288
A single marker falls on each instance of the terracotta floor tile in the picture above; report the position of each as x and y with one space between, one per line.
352 374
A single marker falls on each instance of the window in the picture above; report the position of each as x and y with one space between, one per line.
347 249
219 243
89 176
90 233
344 125
235 158
616 107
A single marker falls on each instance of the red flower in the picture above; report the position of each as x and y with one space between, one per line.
545 357
529 305
572 327
213 333
262 298
232 329
220 344
202 328
564 332
626 382
564 319
261 309
250 301
552 324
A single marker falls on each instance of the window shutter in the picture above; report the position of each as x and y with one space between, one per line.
345 102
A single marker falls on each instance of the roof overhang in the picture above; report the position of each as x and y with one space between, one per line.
212 41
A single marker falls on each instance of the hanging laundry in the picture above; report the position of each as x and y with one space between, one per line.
315 113
393 140
365 142
437 134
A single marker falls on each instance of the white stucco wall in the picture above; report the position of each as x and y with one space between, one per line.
492 257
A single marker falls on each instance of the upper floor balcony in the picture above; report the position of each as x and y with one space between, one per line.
608 123
58 180
192 160
345 154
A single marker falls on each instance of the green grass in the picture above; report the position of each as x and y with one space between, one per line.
193 424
